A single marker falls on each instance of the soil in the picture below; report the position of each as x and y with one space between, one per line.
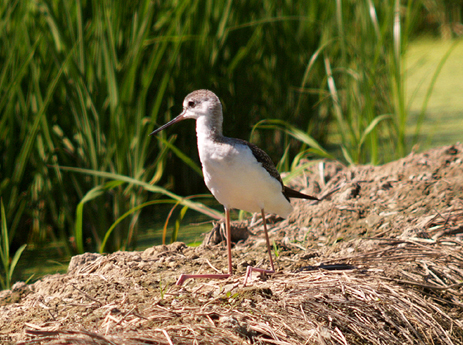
378 260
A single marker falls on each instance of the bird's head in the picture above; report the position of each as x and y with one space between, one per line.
200 104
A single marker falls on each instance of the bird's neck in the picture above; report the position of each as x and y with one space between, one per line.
209 128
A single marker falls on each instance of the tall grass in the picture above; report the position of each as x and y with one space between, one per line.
362 53
70 97
8 263
82 83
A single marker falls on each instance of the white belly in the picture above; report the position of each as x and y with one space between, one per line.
238 180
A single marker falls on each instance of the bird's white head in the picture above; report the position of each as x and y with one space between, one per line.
203 106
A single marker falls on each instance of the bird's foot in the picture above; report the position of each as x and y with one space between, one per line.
250 269
184 277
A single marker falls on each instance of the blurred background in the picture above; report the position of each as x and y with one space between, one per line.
83 83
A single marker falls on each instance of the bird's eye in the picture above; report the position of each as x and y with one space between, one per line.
191 104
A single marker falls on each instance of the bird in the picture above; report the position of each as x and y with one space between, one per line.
239 174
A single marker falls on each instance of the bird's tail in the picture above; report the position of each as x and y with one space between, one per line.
291 193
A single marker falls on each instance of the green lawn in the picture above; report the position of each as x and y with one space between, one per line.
443 122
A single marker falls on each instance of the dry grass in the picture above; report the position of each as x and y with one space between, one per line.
406 291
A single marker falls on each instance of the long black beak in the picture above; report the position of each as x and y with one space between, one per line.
171 122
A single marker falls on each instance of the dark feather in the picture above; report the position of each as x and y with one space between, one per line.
291 193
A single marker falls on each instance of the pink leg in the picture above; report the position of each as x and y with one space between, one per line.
184 277
250 268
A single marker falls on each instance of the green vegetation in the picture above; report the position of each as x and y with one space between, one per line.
9 264
83 83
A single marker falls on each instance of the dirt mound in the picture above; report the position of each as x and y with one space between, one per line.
378 261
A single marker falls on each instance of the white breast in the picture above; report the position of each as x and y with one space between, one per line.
238 180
